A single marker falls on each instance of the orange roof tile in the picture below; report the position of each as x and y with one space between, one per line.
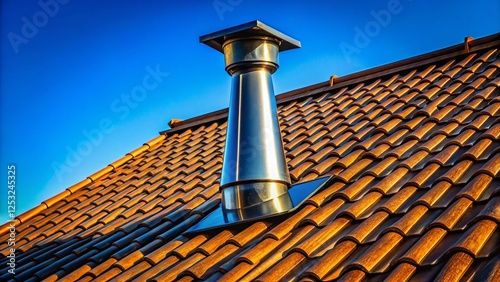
414 150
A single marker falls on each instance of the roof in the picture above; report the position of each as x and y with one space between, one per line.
414 148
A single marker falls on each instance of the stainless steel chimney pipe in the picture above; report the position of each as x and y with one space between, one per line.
255 174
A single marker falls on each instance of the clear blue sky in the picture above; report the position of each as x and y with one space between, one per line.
100 78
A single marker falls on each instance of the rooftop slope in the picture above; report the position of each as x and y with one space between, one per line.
415 150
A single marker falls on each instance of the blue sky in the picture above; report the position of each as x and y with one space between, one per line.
84 82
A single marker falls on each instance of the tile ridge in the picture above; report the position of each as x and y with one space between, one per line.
357 77
87 181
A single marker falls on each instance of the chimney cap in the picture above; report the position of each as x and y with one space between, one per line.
216 39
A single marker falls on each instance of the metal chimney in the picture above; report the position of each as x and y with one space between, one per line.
255 182
254 174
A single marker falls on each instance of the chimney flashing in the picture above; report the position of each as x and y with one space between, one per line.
220 218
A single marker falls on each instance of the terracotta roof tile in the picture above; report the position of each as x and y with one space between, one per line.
327 264
358 188
260 250
367 227
285 227
455 268
360 208
321 216
476 237
319 198
414 154
286 244
284 268
200 269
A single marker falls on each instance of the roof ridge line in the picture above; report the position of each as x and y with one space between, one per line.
378 71
90 179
